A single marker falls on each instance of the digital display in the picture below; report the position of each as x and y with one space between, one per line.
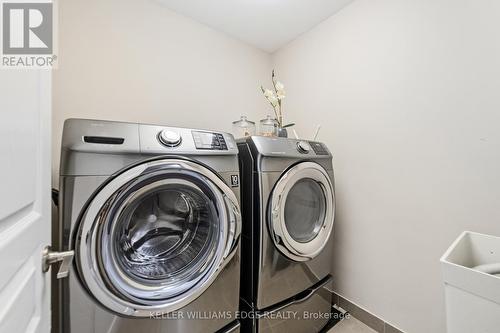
208 140
318 148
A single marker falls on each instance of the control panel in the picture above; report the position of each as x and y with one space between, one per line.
318 148
287 147
209 140
156 139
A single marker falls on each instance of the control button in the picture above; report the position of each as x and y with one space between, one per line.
318 148
222 141
169 138
303 147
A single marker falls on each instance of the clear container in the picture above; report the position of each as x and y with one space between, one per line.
243 127
268 127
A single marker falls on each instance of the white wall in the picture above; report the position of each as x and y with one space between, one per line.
408 93
137 61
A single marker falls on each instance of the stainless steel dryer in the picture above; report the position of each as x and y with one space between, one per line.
288 206
152 215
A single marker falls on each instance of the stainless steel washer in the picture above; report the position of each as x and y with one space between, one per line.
152 215
288 206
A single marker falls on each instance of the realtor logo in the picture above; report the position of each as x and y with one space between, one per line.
27 34
27 28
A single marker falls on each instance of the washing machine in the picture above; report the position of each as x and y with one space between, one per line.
288 207
152 216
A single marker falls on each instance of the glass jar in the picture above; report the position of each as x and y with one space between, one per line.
243 127
268 127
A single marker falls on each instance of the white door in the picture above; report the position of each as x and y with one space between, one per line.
24 199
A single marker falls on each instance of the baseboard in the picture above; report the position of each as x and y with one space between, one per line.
366 317
336 317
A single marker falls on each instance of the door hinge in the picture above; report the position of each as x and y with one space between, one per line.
51 257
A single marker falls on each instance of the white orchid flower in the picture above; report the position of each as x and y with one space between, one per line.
275 96
280 89
269 93
273 100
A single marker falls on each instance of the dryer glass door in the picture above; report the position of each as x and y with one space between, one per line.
156 236
302 211
305 209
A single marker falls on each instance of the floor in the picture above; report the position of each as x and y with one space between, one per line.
351 325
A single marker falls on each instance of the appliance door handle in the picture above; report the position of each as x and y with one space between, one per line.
277 206
234 217
300 298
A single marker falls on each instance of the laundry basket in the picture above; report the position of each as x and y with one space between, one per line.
472 295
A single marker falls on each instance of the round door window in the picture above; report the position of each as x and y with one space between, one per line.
166 234
156 237
302 210
305 210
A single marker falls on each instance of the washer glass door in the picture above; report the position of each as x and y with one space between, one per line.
162 230
156 236
302 211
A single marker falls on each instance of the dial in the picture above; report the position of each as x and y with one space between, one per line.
303 147
170 138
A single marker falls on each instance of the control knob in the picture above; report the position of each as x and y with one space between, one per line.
169 138
303 147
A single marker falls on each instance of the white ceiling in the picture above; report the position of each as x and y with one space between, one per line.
266 24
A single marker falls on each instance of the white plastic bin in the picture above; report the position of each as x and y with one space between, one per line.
472 297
